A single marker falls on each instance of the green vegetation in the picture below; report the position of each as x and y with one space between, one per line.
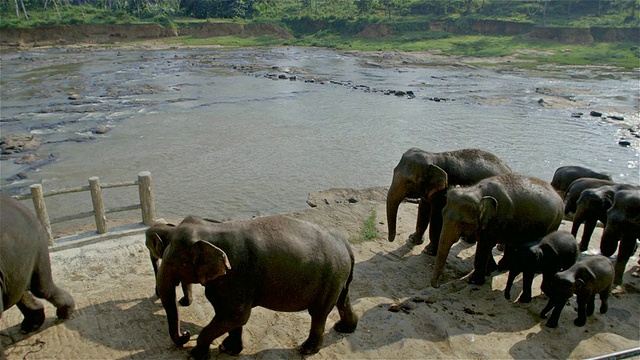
333 23
368 230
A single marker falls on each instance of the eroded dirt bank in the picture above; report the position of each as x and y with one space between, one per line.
119 317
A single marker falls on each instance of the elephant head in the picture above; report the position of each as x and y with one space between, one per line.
467 213
158 237
593 201
623 220
414 177
188 260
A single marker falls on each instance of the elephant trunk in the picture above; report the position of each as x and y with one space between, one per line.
166 287
448 237
394 197
610 239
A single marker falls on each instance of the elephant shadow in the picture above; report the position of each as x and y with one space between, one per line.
134 326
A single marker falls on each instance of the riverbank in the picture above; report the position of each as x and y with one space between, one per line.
401 316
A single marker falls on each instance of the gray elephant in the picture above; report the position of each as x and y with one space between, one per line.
276 262
623 227
25 267
592 207
555 252
586 278
565 175
576 188
413 178
511 209
157 238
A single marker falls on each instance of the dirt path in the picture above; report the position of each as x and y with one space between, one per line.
119 317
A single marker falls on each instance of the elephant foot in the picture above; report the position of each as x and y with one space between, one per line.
507 295
32 322
231 346
416 239
344 327
552 324
476 279
431 249
200 352
524 299
185 301
64 312
580 321
584 247
309 347
604 308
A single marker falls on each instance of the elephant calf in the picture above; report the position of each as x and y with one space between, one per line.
25 267
555 252
586 278
276 262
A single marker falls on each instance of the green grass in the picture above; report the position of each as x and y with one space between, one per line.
368 231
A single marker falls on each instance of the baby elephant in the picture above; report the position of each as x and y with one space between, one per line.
555 252
588 277
276 262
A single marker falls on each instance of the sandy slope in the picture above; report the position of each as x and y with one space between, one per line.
119 317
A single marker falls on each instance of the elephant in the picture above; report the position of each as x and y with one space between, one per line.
623 226
565 175
511 209
157 238
576 188
413 178
277 262
592 206
555 252
586 278
25 267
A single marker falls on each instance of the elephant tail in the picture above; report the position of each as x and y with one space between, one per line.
345 290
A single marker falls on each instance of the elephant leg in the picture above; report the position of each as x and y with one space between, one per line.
527 283
582 310
604 300
232 344
483 252
42 286
225 321
154 263
625 250
316 334
187 299
589 226
547 308
33 312
510 279
576 225
348 319
438 201
424 212
591 304
558 306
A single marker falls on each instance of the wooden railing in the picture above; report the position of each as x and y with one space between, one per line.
147 204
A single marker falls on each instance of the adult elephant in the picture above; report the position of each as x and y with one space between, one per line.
511 209
25 268
574 191
565 175
276 262
623 227
416 176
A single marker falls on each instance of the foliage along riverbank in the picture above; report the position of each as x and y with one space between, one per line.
528 49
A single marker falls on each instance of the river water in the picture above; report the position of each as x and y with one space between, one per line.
222 139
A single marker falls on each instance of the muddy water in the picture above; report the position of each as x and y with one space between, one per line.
222 139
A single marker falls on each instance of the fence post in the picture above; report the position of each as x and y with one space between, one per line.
146 198
98 205
41 209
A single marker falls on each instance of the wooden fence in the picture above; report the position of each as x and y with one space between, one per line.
147 204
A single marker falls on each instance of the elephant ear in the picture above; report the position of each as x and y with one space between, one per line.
488 210
210 262
583 277
436 180
607 201
156 245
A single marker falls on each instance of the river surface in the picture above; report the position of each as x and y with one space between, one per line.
222 139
